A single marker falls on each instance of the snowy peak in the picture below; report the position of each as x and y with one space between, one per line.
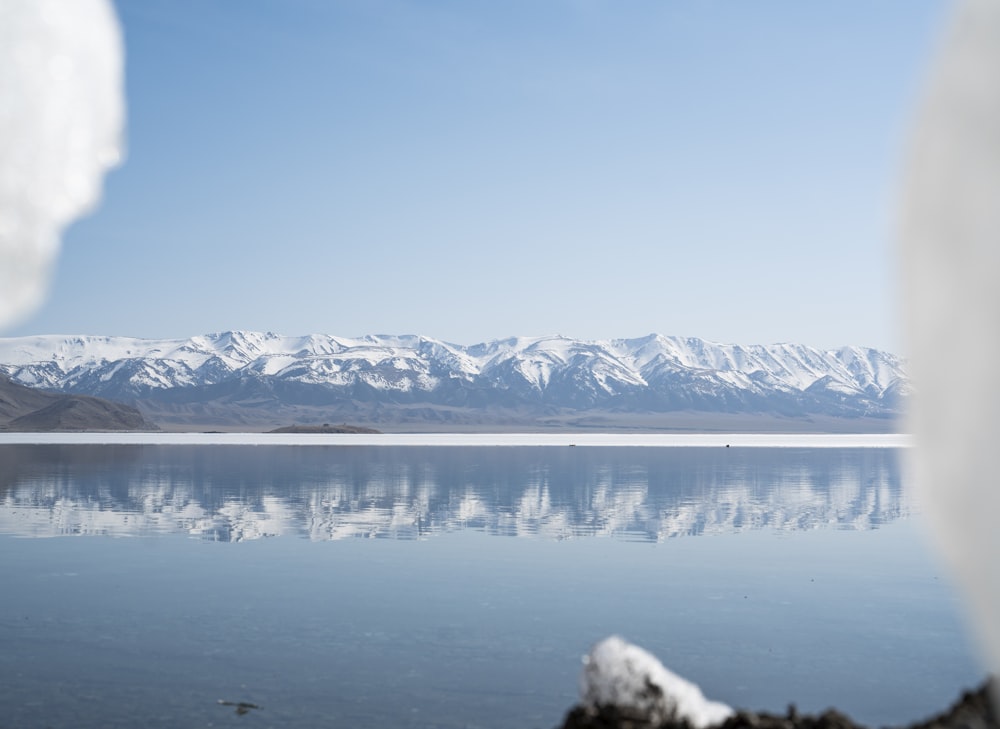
655 373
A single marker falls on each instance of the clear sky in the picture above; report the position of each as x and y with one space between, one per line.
473 169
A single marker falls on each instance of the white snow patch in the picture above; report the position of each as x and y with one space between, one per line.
620 674
274 364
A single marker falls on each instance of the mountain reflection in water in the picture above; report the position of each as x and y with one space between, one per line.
236 493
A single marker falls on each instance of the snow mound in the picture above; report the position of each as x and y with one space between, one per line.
620 674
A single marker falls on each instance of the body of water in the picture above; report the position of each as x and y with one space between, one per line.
417 586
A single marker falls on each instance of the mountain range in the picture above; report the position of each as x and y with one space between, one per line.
251 379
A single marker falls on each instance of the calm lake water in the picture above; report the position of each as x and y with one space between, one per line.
459 587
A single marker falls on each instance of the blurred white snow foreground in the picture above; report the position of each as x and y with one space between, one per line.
624 676
62 117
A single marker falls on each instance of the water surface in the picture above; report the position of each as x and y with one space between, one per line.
458 587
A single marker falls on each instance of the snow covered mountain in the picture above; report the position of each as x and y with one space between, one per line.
653 374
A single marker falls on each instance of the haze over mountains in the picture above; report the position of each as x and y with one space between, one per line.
252 379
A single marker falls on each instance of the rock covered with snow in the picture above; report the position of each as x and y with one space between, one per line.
630 681
626 687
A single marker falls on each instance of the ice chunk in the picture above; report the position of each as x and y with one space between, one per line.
620 674
61 120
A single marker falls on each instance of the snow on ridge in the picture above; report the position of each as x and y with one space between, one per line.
596 368
72 350
793 365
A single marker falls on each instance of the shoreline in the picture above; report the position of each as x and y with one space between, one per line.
645 440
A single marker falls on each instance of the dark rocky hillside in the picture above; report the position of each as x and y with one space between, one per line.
17 400
28 410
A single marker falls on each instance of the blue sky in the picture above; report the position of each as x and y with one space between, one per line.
473 170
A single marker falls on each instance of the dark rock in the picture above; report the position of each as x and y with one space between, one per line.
974 710
325 428
613 717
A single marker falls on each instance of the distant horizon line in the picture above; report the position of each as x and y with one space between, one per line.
445 439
